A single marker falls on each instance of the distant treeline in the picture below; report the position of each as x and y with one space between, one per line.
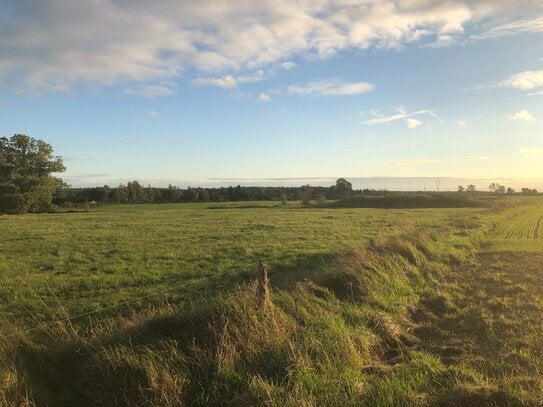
134 192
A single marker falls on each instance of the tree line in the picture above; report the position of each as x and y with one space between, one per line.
134 192
28 184
496 188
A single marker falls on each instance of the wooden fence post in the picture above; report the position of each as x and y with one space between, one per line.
262 289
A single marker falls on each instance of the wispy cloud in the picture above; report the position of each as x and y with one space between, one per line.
231 81
263 97
331 88
401 115
462 123
412 123
522 115
512 28
152 113
150 91
288 65
526 80
226 82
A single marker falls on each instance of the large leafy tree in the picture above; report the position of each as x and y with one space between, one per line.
344 188
26 180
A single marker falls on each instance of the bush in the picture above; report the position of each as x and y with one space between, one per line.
14 203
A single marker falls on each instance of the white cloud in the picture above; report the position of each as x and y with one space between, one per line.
226 82
110 42
288 65
522 115
401 115
150 91
526 80
461 124
264 97
331 88
256 76
412 123
230 81
152 113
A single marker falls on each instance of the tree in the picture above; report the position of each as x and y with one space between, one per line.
121 194
461 188
305 195
283 196
173 194
26 180
470 188
344 188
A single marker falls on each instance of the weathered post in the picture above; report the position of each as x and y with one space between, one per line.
262 289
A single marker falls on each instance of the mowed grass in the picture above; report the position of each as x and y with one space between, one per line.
521 231
85 261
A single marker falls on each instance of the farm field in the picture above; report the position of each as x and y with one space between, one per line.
368 306
522 231
89 260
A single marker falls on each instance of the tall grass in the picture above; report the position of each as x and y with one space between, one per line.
342 338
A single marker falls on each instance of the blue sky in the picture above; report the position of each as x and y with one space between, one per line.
197 92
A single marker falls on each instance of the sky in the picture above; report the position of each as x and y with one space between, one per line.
276 91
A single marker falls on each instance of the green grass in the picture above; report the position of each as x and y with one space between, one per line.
87 260
521 231
368 307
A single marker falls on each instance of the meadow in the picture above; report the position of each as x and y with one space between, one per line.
86 260
368 306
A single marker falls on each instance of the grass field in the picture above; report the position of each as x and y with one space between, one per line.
88 260
522 231
369 306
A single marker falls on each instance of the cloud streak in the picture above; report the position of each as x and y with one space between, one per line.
401 115
226 82
331 88
532 25
151 91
